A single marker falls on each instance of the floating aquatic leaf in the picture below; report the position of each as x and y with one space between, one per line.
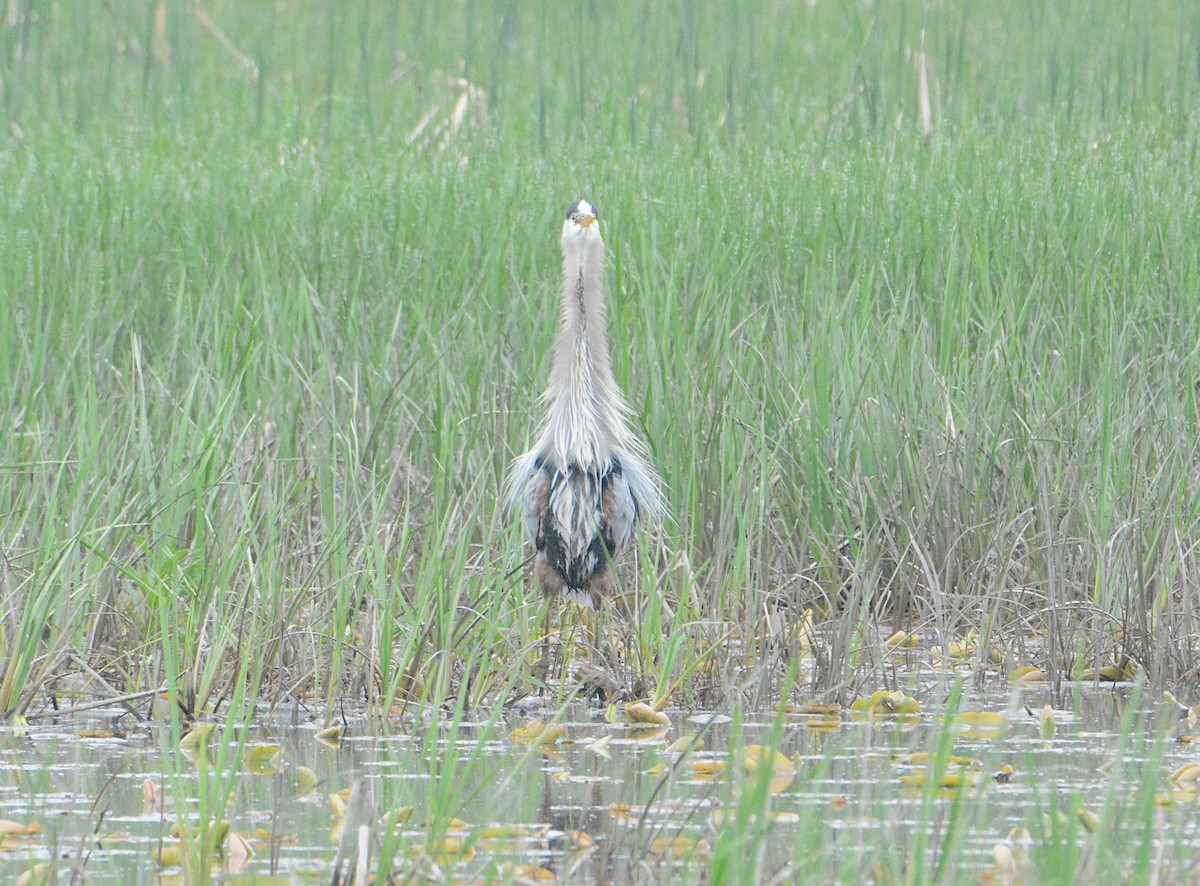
397 816
685 744
504 832
1169 799
95 733
956 650
639 713
600 747
10 828
263 759
957 779
1110 673
265 836
217 832
755 756
528 873
975 725
883 702
818 709
625 810
502 837
238 852
1187 774
783 770
868 703
1027 674
197 740
169 856
923 758
677 846
446 851
338 801
646 732
330 736
707 769
901 640
535 732
306 781
579 839
817 715
448 825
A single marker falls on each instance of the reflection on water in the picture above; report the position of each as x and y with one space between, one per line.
601 803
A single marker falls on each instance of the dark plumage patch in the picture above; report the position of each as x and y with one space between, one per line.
592 489
574 208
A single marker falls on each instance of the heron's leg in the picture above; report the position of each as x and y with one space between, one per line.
551 584
541 670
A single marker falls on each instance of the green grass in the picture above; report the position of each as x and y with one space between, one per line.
269 348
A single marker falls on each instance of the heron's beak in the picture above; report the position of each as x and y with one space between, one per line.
586 220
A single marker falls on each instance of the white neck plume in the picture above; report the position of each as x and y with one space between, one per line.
587 417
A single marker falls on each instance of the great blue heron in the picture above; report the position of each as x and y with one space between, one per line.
587 482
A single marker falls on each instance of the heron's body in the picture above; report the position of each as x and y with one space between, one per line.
586 484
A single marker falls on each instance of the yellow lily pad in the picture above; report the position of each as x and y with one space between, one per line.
974 725
10 828
706 770
535 732
685 744
397 816
901 640
677 847
884 703
306 781
1027 674
330 736
1187 774
948 779
447 851
263 759
783 770
755 756
640 713
196 741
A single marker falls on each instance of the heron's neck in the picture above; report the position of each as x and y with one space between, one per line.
586 411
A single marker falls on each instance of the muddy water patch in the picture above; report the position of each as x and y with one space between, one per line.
601 800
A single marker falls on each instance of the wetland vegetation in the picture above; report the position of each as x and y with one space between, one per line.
904 297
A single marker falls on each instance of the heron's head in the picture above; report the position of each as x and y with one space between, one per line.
581 221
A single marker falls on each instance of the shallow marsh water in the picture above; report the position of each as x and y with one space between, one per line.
604 803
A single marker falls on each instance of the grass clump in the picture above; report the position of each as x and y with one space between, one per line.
907 319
